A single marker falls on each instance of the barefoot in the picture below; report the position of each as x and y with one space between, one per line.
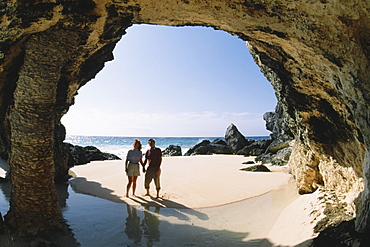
127 195
147 194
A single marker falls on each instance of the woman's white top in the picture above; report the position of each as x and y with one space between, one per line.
134 155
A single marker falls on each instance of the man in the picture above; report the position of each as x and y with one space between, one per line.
154 158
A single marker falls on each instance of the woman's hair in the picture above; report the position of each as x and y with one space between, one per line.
138 142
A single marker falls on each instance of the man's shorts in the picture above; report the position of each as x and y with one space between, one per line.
151 174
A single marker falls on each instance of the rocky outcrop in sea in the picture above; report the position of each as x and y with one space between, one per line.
82 155
279 147
275 150
207 147
172 150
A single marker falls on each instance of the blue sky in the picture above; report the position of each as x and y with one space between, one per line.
174 81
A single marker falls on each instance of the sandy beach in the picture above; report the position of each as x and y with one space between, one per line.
262 207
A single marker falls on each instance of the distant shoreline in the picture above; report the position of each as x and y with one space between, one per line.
118 136
120 145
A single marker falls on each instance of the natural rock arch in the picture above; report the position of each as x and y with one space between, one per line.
315 53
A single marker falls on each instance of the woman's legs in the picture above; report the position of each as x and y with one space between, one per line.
131 180
134 185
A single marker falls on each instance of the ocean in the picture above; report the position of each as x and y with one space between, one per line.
120 145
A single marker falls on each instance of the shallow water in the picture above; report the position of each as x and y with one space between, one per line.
97 222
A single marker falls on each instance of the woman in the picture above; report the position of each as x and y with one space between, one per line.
134 156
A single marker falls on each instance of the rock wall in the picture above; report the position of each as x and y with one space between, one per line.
315 53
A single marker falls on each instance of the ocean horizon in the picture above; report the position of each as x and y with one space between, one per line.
119 145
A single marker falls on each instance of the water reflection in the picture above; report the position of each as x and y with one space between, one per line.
97 222
133 230
62 191
150 225
5 189
63 238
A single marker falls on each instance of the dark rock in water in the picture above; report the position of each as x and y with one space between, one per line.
281 158
200 148
172 150
256 168
270 119
220 142
84 155
276 122
277 145
94 153
265 158
234 139
279 150
219 146
249 162
206 147
255 148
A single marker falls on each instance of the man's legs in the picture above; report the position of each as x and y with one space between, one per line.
157 182
149 175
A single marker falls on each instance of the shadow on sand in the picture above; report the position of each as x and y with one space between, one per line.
145 201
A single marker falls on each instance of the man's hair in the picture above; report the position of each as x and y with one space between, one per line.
151 140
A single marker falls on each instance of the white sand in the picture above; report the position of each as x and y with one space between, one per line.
266 205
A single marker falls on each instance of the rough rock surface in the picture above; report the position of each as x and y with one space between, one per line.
207 147
254 148
278 123
172 150
256 168
280 144
316 54
342 235
234 139
83 155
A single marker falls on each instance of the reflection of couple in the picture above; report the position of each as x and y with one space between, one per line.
149 225
154 158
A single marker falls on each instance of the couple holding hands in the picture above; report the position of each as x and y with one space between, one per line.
154 158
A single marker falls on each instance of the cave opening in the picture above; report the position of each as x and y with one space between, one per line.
198 79
315 56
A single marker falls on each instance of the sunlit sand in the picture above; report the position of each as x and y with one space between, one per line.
218 195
